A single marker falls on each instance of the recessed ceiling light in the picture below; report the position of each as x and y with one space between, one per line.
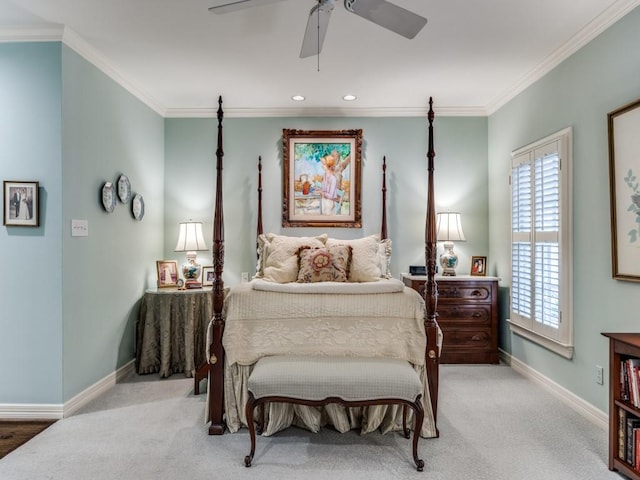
349 98
297 98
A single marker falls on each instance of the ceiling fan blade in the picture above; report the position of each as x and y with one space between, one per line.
316 28
388 15
225 6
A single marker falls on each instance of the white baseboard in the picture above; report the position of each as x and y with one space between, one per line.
579 405
97 389
26 411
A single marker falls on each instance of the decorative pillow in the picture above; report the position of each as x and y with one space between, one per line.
370 257
328 264
279 259
384 257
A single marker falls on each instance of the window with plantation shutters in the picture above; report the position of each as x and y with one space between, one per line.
541 274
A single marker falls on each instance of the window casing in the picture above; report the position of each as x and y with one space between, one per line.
541 256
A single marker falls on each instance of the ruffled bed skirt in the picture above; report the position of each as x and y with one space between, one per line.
279 416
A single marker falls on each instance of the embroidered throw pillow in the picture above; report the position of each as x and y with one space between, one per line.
328 264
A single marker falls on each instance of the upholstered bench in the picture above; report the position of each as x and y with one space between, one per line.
349 381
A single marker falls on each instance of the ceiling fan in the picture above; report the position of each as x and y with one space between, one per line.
383 13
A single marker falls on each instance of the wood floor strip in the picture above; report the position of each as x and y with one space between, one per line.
14 433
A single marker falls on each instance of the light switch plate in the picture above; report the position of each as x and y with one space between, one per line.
79 228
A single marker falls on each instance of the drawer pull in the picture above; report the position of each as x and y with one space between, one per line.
476 293
476 315
476 338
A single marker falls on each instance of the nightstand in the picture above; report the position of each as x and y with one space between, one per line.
172 331
468 316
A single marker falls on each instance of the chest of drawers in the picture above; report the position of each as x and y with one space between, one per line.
468 316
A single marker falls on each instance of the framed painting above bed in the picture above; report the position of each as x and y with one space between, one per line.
321 178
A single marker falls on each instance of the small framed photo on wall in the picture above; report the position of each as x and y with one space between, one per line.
21 207
479 266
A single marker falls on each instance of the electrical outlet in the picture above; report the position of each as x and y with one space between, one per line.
599 375
245 276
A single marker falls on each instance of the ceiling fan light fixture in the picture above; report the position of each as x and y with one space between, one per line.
298 98
349 98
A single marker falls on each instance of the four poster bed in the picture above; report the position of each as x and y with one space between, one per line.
360 311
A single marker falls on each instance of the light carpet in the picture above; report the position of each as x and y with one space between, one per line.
494 425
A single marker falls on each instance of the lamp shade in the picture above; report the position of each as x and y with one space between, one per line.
449 227
190 238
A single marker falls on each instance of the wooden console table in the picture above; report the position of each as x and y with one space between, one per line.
172 331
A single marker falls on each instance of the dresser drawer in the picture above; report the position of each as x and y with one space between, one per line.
466 339
476 315
463 291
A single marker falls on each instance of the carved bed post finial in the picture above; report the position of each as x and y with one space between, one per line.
216 352
431 288
383 228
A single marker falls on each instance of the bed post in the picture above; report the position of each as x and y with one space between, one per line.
216 352
431 289
259 195
383 228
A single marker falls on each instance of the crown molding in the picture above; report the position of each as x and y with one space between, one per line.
89 53
264 112
610 16
52 33
31 33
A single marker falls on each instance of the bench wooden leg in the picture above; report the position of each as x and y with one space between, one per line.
405 430
419 414
252 429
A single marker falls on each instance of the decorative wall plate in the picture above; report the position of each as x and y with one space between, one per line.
108 197
137 207
124 189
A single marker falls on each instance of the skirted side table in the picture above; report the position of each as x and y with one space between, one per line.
172 331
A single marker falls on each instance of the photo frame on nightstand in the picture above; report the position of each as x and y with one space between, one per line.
479 266
207 276
167 273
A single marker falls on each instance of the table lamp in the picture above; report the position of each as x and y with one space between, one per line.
449 230
191 240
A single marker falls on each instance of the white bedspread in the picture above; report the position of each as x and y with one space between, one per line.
374 324
260 323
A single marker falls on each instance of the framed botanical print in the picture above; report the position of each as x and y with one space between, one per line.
21 206
321 178
624 183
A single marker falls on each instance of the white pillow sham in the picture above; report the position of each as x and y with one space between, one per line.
370 257
278 256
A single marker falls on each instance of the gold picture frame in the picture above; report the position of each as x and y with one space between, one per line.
168 275
478 266
321 178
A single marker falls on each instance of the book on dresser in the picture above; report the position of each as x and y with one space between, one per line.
624 403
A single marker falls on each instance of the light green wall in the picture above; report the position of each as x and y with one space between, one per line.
107 132
597 79
461 182
30 261
69 304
